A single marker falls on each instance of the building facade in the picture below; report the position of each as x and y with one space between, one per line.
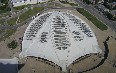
25 2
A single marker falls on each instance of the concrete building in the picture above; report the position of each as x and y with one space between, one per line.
25 2
9 65
59 37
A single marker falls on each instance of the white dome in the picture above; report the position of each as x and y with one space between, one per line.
59 37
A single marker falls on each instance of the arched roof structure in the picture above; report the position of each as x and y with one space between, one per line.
59 37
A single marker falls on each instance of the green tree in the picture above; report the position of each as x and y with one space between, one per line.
13 44
87 1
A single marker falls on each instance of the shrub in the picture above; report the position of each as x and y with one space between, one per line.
13 44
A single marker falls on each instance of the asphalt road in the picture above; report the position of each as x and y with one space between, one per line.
96 13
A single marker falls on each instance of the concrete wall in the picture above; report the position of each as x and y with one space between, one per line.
28 2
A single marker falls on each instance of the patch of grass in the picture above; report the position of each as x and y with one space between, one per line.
25 15
50 4
5 14
30 13
1 31
93 19
12 21
7 34
1 22
22 7
13 44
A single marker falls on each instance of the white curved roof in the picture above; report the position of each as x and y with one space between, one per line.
59 37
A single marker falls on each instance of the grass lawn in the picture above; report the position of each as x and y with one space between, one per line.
52 4
25 15
21 7
1 31
93 19
30 13
5 14
12 21
7 34
2 22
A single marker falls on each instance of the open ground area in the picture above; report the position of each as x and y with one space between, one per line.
101 36
11 41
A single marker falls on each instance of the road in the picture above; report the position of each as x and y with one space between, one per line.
96 13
